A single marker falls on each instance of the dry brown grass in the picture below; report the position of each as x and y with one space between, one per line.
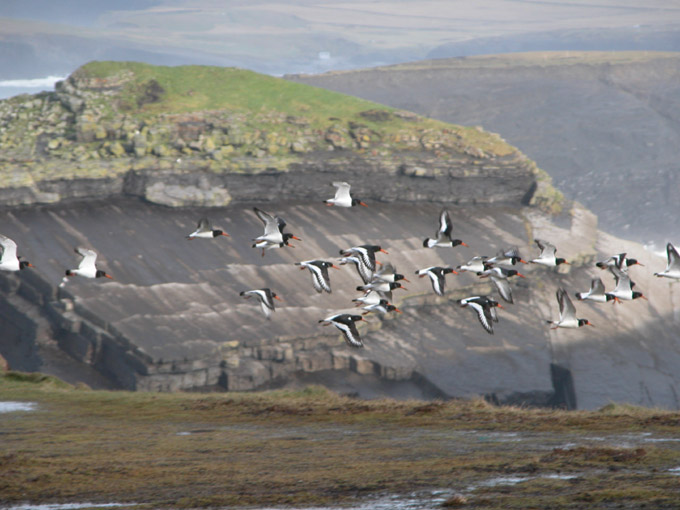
313 447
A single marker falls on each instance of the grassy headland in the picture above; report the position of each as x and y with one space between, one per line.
313 447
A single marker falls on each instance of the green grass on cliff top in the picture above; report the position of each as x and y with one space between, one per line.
196 88
203 88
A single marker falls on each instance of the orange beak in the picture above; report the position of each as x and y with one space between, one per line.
109 276
500 306
521 275
361 203
406 280
463 244
591 324
454 271
296 238
523 261
397 310
404 288
277 297
384 251
224 234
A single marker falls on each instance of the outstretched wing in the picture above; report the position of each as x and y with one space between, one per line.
484 319
547 249
445 226
503 287
271 226
89 259
342 192
673 257
596 287
567 309
9 248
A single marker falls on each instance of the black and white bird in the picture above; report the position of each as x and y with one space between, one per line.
366 254
443 234
371 297
485 308
624 286
86 268
381 286
596 293
507 257
620 261
205 231
346 323
474 265
436 275
547 255
319 270
388 273
266 298
382 307
9 260
499 276
673 265
567 313
342 196
365 273
274 236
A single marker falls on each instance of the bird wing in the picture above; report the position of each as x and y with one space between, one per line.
438 281
349 331
445 225
271 225
482 316
89 259
623 283
203 225
9 248
386 270
503 287
547 249
596 287
567 309
673 257
320 277
342 191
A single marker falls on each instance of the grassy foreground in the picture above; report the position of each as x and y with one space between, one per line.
313 447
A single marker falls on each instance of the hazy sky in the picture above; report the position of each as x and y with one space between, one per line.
44 37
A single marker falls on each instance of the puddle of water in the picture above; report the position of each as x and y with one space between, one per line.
674 471
514 480
10 407
421 501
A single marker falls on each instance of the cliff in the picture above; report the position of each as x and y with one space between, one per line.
173 320
195 135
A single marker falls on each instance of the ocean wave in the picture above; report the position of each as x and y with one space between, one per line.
33 82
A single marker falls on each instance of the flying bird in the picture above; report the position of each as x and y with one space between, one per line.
9 260
372 297
383 307
319 270
266 298
485 308
87 266
624 286
365 273
443 234
365 253
205 231
596 293
474 265
547 256
673 266
436 274
346 323
507 257
499 276
388 273
619 261
274 236
342 197
567 313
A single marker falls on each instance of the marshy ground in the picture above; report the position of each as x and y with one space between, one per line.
315 448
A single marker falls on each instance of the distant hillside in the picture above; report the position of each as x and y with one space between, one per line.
605 126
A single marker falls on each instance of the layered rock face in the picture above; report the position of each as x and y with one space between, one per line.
173 318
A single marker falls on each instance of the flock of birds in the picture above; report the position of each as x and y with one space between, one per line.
379 281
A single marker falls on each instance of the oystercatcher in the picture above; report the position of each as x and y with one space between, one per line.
346 323
443 234
567 313
319 270
9 260
485 307
266 298
342 197
205 231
